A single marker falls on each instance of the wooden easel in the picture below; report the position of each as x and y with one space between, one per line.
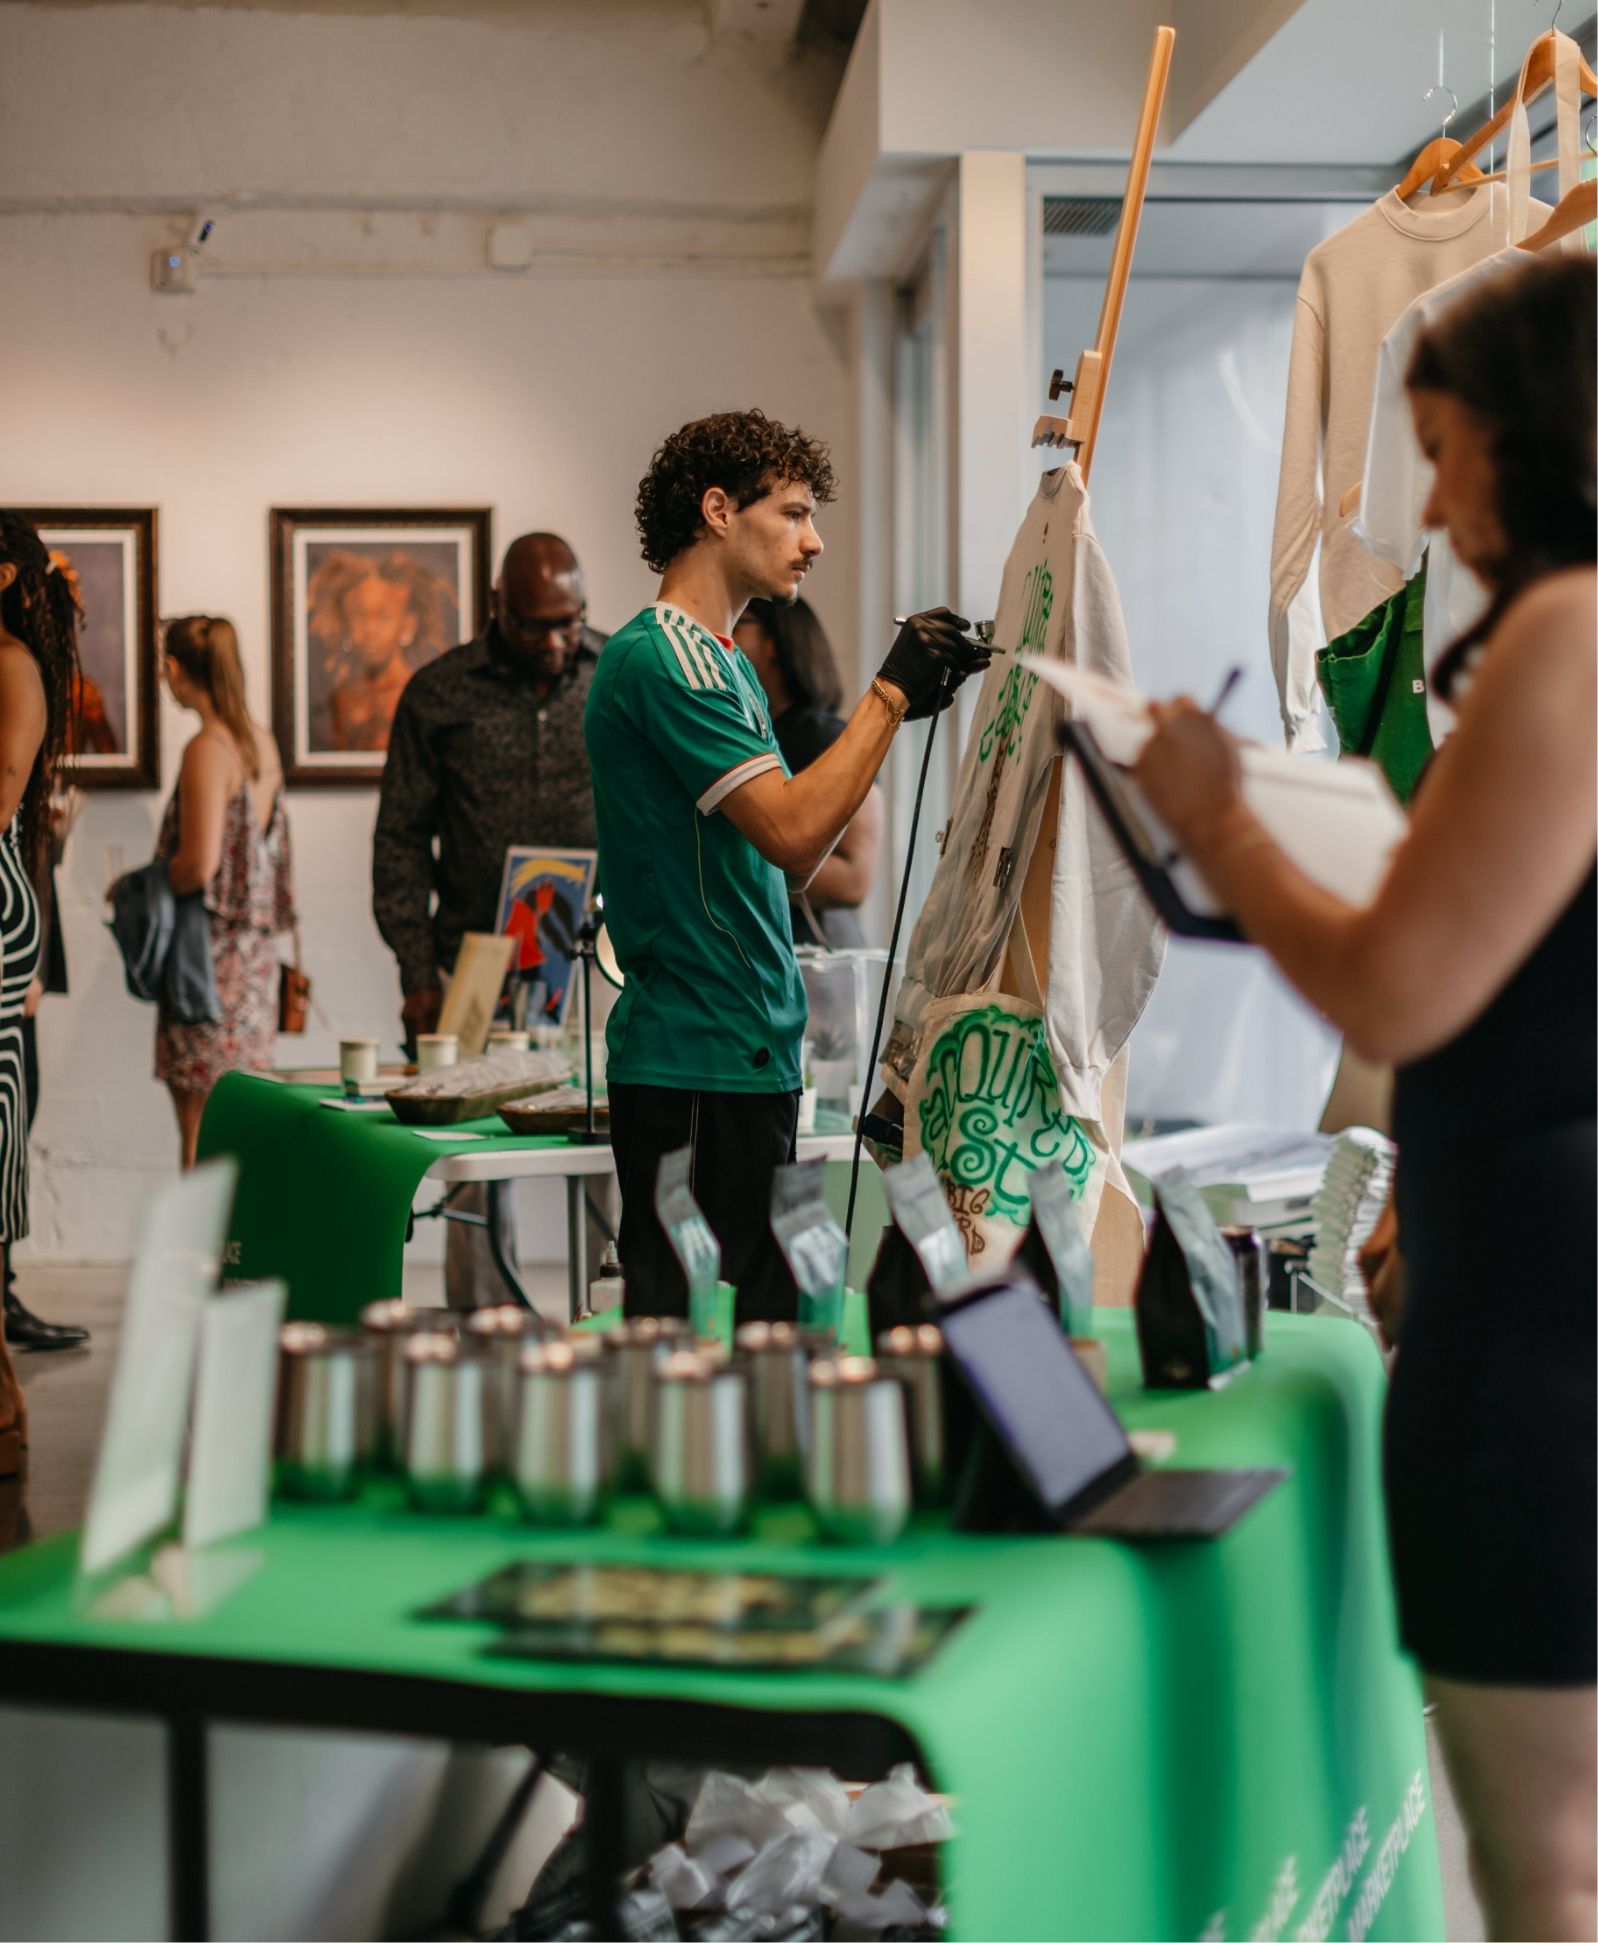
1118 1233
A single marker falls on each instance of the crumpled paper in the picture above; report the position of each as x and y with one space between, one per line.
685 1880
760 1811
786 1872
897 1814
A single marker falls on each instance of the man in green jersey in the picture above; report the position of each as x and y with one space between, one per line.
702 830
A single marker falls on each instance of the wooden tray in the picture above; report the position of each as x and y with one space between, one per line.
562 1109
474 1088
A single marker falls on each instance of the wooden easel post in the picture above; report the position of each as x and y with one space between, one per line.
1118 1233
1081 429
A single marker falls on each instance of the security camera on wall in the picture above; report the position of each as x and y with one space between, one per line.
175 270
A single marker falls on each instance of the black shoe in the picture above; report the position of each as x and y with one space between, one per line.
25 1330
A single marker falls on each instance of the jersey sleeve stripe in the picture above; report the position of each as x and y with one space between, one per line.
735 777
689 667
703 658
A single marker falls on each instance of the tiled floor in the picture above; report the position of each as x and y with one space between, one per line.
66 1393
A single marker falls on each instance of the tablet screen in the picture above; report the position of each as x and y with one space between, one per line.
1041 1402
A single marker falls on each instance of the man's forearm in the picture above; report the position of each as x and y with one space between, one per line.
795 822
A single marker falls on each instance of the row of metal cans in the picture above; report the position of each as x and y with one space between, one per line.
455 1403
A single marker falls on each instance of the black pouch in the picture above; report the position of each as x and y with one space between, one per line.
1189 1305
1055 1251
921 1253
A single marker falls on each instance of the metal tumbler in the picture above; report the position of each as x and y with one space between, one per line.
637 1346
557 1451
699 1465
501 1334
858 1475
1253 1274
777 1357
914 1355
323 1411
445 1424
391 1325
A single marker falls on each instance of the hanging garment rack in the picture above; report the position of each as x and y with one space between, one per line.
1537 72
1081 429
1027 955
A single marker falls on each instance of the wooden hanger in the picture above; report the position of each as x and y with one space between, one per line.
1536 73
1572 212
1434 157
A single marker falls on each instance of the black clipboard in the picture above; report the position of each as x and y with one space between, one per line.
1150 862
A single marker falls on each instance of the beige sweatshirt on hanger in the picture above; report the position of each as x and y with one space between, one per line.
1354 288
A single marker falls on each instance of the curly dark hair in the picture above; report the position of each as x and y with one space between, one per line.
41 610
745 453
1520 352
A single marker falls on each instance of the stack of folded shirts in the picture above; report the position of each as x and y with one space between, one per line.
1358 1180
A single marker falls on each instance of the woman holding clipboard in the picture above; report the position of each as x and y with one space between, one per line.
1473 971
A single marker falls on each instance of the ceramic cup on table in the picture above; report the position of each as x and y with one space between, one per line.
435 1049
509 1039
357 1061
857 1474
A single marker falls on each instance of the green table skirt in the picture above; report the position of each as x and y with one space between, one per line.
324 1198
1198 1739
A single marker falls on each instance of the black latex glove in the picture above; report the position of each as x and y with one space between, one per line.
927 648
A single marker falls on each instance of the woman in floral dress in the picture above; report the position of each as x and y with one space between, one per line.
225 833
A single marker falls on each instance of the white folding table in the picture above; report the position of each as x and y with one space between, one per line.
497 1166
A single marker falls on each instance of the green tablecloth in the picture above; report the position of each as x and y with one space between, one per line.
1201 1739
324 1198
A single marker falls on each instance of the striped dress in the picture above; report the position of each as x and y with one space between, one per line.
21 936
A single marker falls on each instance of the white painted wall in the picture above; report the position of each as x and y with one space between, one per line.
661 169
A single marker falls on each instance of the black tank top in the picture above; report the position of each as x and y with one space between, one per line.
1529 1061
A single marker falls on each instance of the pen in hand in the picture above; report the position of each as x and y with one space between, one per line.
1234 675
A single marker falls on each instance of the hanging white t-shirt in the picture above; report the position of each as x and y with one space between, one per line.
1105 944
1355 287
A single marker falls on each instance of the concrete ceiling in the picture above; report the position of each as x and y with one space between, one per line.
1343 81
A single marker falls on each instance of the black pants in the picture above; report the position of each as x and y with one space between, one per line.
30 1094
738 1140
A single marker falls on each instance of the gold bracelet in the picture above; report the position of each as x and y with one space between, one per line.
898 710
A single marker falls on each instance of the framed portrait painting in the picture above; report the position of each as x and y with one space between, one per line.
107 555
360 601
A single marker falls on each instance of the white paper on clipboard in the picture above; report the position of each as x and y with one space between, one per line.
1338 821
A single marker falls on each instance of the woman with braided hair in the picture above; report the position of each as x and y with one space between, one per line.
38 670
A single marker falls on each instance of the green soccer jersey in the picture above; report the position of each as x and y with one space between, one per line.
675 722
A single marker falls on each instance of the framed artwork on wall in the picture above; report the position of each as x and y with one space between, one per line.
360 601
108 557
